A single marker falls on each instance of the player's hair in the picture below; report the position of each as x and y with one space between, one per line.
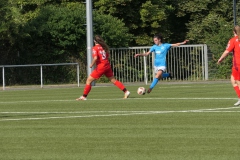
100 41
236 30
158 36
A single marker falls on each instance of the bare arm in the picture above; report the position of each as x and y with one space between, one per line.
144 54
94 61
225 53
178 44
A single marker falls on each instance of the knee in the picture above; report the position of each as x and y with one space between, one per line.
159 77
112 79
89 80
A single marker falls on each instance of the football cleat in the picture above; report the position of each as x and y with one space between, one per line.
126 94
149 90
82 98
237 103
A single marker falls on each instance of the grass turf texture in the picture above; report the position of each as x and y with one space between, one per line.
174 122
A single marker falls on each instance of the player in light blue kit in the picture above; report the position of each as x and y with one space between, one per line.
160 50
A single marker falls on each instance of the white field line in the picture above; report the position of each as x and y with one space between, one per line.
220 111
41 101
81 112
120 113
186 86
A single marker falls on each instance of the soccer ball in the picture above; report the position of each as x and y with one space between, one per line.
141 91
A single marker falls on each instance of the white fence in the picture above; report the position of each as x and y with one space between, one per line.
186 62
41 70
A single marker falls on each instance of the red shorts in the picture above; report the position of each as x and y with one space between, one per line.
98 72
236 73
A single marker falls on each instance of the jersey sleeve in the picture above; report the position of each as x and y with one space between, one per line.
230 45
152 49
168 45
94 52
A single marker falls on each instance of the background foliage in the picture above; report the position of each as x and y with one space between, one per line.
54 31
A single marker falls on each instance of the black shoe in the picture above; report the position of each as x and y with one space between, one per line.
149 90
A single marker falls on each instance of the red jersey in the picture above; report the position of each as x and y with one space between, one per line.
102 56
234 46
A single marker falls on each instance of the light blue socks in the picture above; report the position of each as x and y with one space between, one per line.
155 81
165 75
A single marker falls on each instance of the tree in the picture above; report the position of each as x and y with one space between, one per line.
60 31
210 23
112 30
145 18
58 34
9 21
50 31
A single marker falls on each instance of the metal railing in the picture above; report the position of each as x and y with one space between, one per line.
41 70
186 62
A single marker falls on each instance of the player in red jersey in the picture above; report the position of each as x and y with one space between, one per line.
234 46
100 53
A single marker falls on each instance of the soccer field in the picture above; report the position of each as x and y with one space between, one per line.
195 121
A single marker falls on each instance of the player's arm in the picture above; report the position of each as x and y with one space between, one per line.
180 43
94 54
229 48
225 53
93 61
143 54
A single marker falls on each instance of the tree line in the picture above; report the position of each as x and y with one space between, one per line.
54 31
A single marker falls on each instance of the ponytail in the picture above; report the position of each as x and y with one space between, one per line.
236 30
100 41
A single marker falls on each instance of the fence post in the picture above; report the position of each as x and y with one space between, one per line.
145 68
206 61
41 75
3 75
78 74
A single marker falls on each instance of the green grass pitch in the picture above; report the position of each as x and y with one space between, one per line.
195 121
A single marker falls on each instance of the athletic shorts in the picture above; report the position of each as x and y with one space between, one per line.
98 72
236 73
163 68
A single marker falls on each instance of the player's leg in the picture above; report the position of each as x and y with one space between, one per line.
110 76
166 75
238 93
235 77
120 86
159 71
87 88
94 75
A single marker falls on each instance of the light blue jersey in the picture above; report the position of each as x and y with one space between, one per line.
160 54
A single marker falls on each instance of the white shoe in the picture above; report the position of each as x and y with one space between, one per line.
126 94
82 98
238 103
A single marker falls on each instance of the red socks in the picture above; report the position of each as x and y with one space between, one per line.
119 85
236 88
87 89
